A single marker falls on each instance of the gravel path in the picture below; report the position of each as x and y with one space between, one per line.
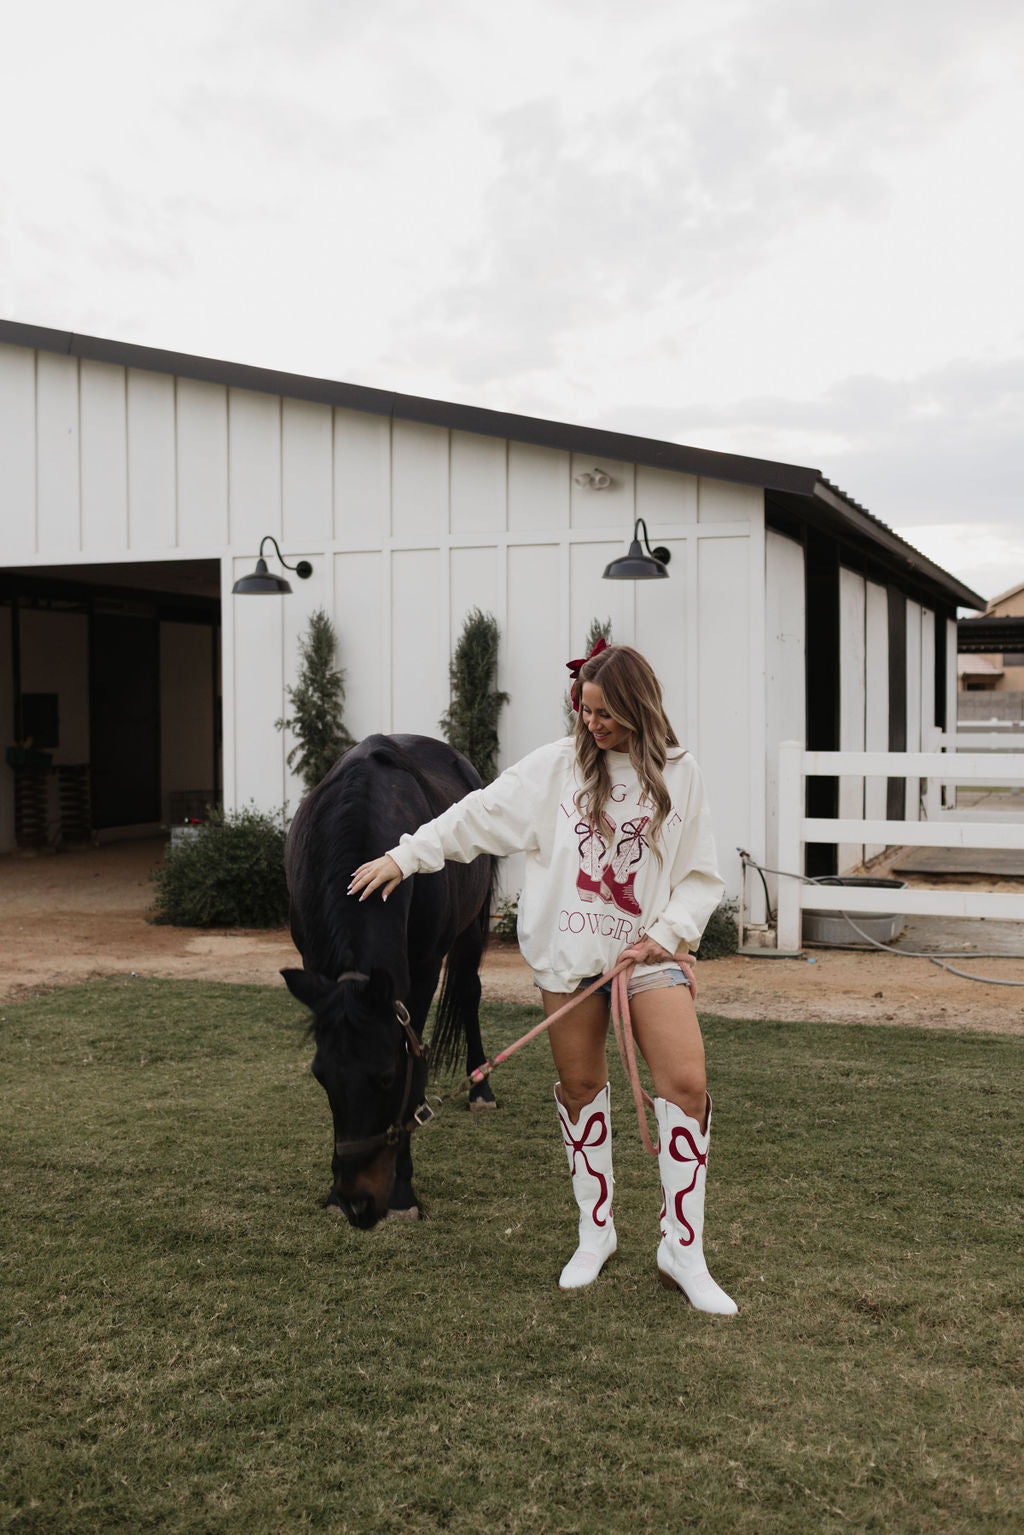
81 913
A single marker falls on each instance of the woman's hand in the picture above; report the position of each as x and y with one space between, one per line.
646 952
370 876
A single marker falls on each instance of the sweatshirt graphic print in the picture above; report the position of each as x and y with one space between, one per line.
589 891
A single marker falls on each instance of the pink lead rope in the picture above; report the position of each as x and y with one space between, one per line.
619 975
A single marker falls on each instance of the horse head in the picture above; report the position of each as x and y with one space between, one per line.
373 1069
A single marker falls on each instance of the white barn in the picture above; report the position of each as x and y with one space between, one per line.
136 486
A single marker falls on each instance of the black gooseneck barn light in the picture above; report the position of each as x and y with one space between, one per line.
261 583
637 566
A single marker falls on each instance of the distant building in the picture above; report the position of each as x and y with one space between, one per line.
136 486
1003 670
977 674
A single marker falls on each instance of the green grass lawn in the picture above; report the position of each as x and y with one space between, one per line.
190 1344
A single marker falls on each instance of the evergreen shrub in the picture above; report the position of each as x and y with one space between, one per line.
232 875
317 700
470 723
722 935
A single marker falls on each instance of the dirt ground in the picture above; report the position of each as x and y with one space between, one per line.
81 913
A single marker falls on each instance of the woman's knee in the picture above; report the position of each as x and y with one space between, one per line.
576 1090
685 1085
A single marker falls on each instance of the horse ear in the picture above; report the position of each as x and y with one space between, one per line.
307 987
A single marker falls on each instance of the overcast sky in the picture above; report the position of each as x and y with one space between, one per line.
786 228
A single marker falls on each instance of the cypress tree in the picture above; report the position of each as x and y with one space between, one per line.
317 700
470 723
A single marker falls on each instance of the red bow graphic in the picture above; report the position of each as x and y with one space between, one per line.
573 668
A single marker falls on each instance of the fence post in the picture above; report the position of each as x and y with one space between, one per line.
791 844
932 742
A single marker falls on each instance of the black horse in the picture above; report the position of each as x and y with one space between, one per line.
370 968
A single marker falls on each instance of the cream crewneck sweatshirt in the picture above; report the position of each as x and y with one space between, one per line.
587 895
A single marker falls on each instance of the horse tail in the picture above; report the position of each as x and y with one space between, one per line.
460 989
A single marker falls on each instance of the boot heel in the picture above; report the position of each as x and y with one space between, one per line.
668 1281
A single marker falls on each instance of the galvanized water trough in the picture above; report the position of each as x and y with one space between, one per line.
832 927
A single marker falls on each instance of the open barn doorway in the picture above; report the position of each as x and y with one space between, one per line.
111 697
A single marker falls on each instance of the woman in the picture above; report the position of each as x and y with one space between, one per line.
619 858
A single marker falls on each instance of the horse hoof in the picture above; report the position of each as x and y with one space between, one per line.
475 1105
411 1214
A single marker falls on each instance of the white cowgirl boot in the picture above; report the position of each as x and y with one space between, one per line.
588 1146
683 1162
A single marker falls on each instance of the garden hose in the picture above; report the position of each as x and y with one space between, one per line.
937 957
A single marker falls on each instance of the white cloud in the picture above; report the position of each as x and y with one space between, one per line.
986 556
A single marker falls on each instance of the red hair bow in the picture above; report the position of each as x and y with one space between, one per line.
573 668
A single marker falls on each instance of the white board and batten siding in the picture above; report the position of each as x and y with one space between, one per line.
876 700
863 701
852 700
785 683
509 531
407 526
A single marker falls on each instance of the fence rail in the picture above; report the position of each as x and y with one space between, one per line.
796 829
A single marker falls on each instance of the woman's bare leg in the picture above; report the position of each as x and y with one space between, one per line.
578 1048
666 1030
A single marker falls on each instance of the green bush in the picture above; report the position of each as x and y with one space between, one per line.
231 875
722 935
505 924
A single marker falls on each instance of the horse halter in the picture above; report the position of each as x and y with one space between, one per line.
415 1051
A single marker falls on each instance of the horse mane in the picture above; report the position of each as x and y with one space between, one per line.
331 835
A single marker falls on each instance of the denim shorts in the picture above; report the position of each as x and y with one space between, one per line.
653 980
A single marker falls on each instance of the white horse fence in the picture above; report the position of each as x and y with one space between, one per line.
941 827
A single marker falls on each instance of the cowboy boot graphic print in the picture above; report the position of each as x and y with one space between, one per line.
594 843
620 875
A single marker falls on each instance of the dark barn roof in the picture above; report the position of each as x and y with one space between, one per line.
795 497
990 636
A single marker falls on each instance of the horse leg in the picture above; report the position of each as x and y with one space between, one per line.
481 1095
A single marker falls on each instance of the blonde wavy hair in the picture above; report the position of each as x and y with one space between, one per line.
632 696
